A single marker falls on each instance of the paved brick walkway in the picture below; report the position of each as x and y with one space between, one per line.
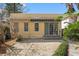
34 48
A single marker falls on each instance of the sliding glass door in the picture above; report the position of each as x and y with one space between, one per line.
51 28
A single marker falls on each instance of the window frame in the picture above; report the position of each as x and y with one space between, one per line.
16 27
35 27
26 27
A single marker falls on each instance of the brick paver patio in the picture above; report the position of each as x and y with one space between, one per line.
34 48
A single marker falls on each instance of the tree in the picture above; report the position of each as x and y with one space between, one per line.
71 11
59 17
77 4
4 15
70 8
14 7
72 31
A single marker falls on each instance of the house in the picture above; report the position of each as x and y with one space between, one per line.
66 21
35 25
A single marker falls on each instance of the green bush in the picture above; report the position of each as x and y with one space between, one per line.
59 18
72 32
7 33
19 38
62 49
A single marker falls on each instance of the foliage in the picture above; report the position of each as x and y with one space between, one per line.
19 38
72 32
77 14
4 15
5 30
70 8
13 7
71 11
62 49
7 33
59 18
77 4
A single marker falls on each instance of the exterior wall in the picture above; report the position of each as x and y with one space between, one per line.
31 33
36 34
66 22
21 18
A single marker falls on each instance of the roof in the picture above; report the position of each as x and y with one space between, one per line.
21 16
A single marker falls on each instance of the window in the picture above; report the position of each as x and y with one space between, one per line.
16 27
25 26
36 26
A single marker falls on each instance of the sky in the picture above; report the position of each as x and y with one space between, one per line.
49 8
44 8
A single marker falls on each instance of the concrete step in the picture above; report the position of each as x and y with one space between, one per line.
52 37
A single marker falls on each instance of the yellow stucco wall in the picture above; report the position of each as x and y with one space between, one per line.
36 34
31 33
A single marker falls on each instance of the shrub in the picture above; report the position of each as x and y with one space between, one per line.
8 36
19 38
62 49
59 18
72 32
7 33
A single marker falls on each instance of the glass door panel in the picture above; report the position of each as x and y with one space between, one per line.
46 29
51 29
